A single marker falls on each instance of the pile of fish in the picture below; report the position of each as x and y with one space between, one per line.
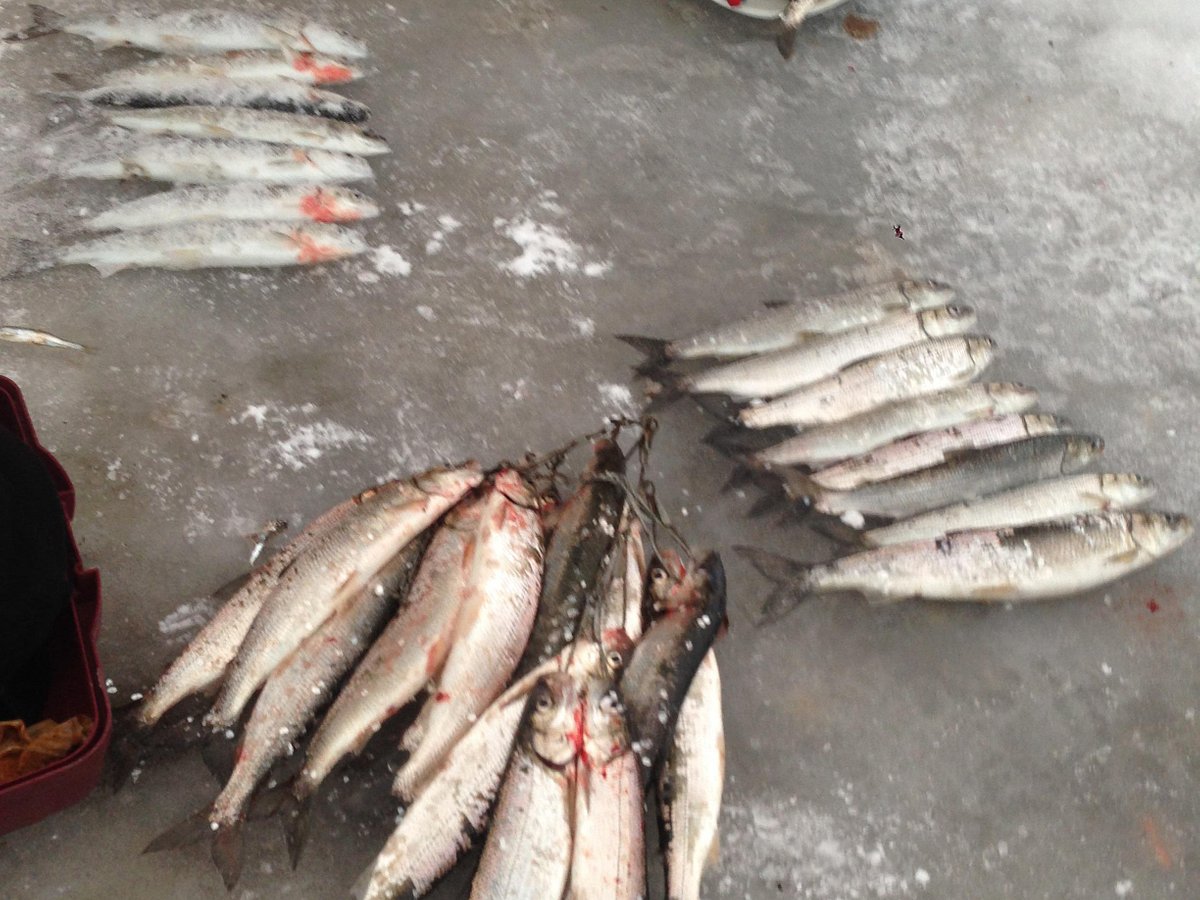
866 406
567 673
236 110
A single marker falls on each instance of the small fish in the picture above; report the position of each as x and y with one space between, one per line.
621 604
1029 562
500 600
528 848
263 537
691 784
880 426
575 556
783 325
930 448
193 31
17 335
215 161
236 123
155 91
790 20
333 568
1041 501
658 676
207 245
772 374
240 65
902 374
237 203
964 475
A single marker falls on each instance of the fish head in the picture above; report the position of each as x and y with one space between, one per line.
512 484
1044 423
605 733
1080 450
450 482
555 730
982 349
1126 489
927 293
332 41
1160 533
1011 396
947 320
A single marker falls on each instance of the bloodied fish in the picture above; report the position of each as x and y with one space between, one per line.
528 848
911 371
333 568
1037 502
783 325
1029 562
287 703
964 475
186 32
238 202
877 427
306 67
658 675
777 373
575 556
404 658
691 784
208 245
930 448
500 600
214 161
155 91
235 123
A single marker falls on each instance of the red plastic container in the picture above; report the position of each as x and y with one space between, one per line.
77 687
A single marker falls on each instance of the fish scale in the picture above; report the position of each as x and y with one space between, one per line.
897 375
332 569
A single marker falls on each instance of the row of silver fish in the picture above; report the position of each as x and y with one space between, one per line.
236 111
866 406
555 661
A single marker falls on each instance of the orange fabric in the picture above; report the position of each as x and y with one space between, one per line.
25 749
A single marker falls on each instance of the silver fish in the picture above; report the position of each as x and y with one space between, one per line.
620 608
902 374
262 125
691 784
306 67
787 324
17 335
214 161
237 202
877 427
333 568
964 475
155 90
1041 501
500 600
930 448
528 848
1029 562
209 245
777 373
194 31
293 694
202 663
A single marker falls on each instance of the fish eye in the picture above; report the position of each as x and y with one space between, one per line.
542 702
659 575
615 659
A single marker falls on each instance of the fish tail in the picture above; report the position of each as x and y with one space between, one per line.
733 438
227 851
217 754
792 580
837 530
45 21
294 811
654 349
802 488
191 830
785 40
127 751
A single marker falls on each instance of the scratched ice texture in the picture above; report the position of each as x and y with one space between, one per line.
567 170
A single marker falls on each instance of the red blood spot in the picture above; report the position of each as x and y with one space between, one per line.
432 657
327 74
441 697
239 755
312 251
1152 605
735 2
575 736
321 207
899 232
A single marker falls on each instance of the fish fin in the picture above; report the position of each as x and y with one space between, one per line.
741 476
1005 591
785 40
791 580
294 813
1124 559
267 802
227 847
888 601
126 752
218 754
78 82
732 438
218 131
719 406
770 502
654 349
107 269
837 530
191 830
801 487
45 21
